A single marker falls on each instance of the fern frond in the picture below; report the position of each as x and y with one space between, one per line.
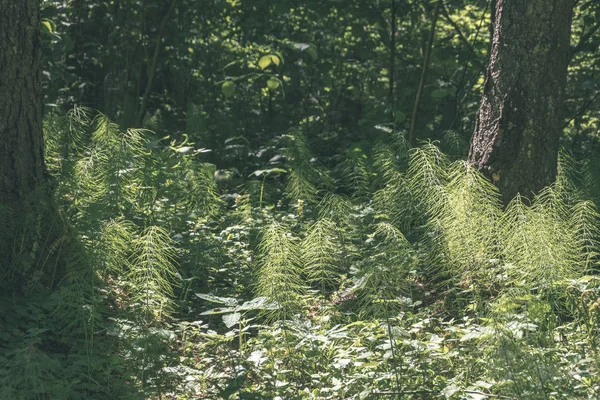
391 235
194 187
399 144
336 208
30 373
300 184
152 274
427 177
354 172
304 178
387 164
279 274
395 201
570 176
91 177
584 220
320 253
384 274
468 222
112 249
540 247
454 142
78 301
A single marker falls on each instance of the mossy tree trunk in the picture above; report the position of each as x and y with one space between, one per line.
518 124
25 203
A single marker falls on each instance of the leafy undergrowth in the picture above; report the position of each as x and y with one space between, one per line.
395 273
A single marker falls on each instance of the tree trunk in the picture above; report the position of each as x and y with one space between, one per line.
24 203
517 129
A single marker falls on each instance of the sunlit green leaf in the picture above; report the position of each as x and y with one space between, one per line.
266 61
49 25
231 319
273 83
228 301
228 88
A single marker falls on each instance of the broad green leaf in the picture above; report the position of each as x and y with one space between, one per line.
184 149
259 303
231 319
260 172
233 386
309 48
450 390
228 301
267 60
278 170
439 93
257 357
369 364
210 169
279 57
273 83
228 88
49 25
218 311
301 46
399 116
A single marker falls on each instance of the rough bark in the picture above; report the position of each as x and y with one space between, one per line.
24 204
518 124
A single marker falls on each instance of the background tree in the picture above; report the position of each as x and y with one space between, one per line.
25 198
517 130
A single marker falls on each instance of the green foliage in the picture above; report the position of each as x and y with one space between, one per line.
468 224
431 287
29 373
385 276
279 275
545 243
321 253
354 172
152 274
427 176
304 178
331 259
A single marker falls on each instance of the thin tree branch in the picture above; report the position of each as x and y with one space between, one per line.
411 136
462 37
466 67
583 109
153 66
583 40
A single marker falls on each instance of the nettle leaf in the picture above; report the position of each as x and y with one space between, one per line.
257 357
228 301
450 390
218 311
228 88
259 303
477 333
231 319
261 172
